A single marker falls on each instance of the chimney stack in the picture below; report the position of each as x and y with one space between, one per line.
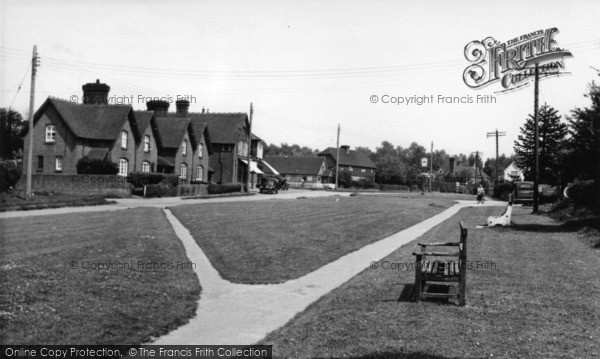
345 148
452 165
159 107
95 93
182 107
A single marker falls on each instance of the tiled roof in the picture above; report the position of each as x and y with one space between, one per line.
142 118
295 165
223 127
97 153
353 158
162 161
171 131
97 122
201 129
470 170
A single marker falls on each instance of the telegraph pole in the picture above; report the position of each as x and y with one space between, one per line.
431 167
537 139
337 161
497 134
249 148
34 64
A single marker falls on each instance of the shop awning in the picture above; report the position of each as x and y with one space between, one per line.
253 166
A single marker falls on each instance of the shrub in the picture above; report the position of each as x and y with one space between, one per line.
139 179
161 190
584 193
224 188
394 187
10 173
503 189
91 166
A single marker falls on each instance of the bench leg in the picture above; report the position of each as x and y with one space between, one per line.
462 288
418 282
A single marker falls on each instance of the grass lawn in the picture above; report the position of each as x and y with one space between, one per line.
18 199
275 241
48 296
540 300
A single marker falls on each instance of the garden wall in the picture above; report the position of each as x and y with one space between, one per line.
79 184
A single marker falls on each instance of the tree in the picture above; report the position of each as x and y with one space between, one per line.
286 150
552 133
11 125
583 158
489 167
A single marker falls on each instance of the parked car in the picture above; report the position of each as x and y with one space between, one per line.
268 185
523 191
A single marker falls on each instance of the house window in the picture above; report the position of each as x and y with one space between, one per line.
199 173
124 140
50 134
184 148
200 148
350 168
363 170
259 150
123 167
309 178
183 171
146 143
240 149
145 166
40 164
245 152
58 164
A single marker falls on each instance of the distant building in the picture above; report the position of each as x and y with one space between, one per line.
512 173
468 174
354 162
300 169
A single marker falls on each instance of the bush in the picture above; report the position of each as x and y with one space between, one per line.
10 173
224 188
363 183
584 193
139 179
161 190
89 166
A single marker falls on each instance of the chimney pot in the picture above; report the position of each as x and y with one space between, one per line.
159 107
345 148
182 107
95 93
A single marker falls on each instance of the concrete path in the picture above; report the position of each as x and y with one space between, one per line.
126 203
244 314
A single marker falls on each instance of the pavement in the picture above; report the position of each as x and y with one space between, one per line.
126 203
243 314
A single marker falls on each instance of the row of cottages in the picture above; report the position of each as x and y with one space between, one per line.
143 141
354 162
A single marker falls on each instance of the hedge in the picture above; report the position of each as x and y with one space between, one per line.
89 166
161 190
224 188
139 179
10 173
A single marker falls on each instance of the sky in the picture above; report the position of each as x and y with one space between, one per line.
306 66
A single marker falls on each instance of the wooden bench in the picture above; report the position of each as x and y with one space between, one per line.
448 271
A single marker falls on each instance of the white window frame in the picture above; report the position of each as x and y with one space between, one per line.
363 170
123 167
145 166
259 150
183 171
199 173
184 148
200 149
124 140
58 164
146 143
50 134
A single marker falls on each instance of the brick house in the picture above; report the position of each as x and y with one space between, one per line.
64 132
300 169
184 145
354 162
229 141
147 149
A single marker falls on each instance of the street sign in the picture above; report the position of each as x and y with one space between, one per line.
424 162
